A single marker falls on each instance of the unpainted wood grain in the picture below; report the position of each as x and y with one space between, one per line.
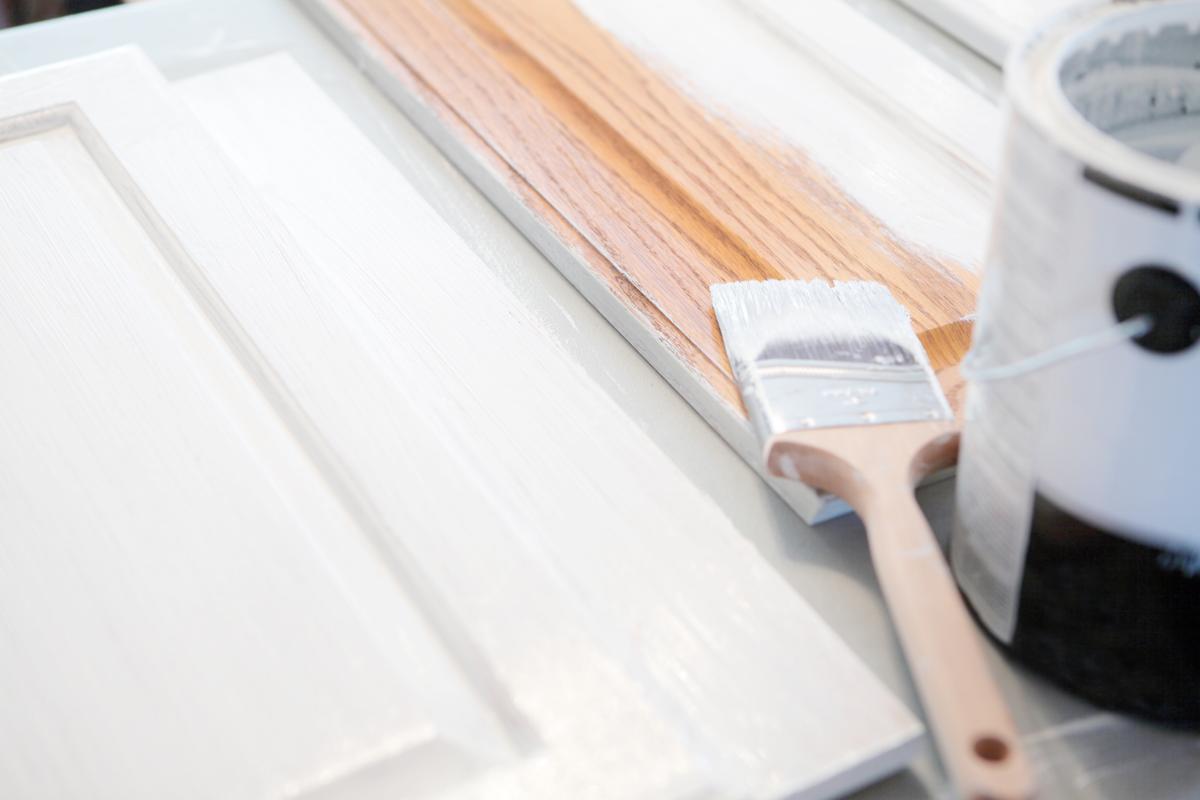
671 197
550 229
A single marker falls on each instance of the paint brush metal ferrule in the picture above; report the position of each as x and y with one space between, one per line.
787 395
815 355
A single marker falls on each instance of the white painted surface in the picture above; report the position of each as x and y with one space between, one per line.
368 530
950 54
991 27
807 75
186 609
1079 753
561 475
909 85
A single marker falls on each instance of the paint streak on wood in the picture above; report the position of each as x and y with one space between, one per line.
554 230
945 346
670 197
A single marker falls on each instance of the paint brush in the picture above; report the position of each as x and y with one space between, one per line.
841 394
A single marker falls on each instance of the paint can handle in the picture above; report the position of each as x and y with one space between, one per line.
1081 345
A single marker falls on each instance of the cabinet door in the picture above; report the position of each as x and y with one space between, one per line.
298 501
189 606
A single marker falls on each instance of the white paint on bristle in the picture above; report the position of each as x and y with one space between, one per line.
807 354
811 315
920 92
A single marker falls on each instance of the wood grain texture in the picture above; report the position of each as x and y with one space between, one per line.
825 83
649 195
674 199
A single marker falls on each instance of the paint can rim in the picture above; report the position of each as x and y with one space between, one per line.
1034 88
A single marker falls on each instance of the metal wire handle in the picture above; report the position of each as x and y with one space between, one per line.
1089 343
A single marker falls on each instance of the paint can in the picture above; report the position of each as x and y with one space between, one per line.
1077 539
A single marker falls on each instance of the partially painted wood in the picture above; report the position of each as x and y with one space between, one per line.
307 504
643 195
934 107
900 137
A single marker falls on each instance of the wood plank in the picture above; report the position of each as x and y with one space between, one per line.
641 195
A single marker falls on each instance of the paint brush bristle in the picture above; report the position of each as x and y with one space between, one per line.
808 354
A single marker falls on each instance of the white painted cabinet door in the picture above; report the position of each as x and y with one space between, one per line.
189 607
297 501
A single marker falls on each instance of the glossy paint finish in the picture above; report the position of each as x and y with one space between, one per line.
1078 752
351 523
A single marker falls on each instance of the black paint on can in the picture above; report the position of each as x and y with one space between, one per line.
1112 619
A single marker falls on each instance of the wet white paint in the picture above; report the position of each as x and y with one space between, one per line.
991 27
309 505
903 138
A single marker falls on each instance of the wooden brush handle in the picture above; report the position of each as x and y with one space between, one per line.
874 468
975 733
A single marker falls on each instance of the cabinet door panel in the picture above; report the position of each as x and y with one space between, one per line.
187 607
565 486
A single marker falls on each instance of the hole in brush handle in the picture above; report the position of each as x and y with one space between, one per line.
992 749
